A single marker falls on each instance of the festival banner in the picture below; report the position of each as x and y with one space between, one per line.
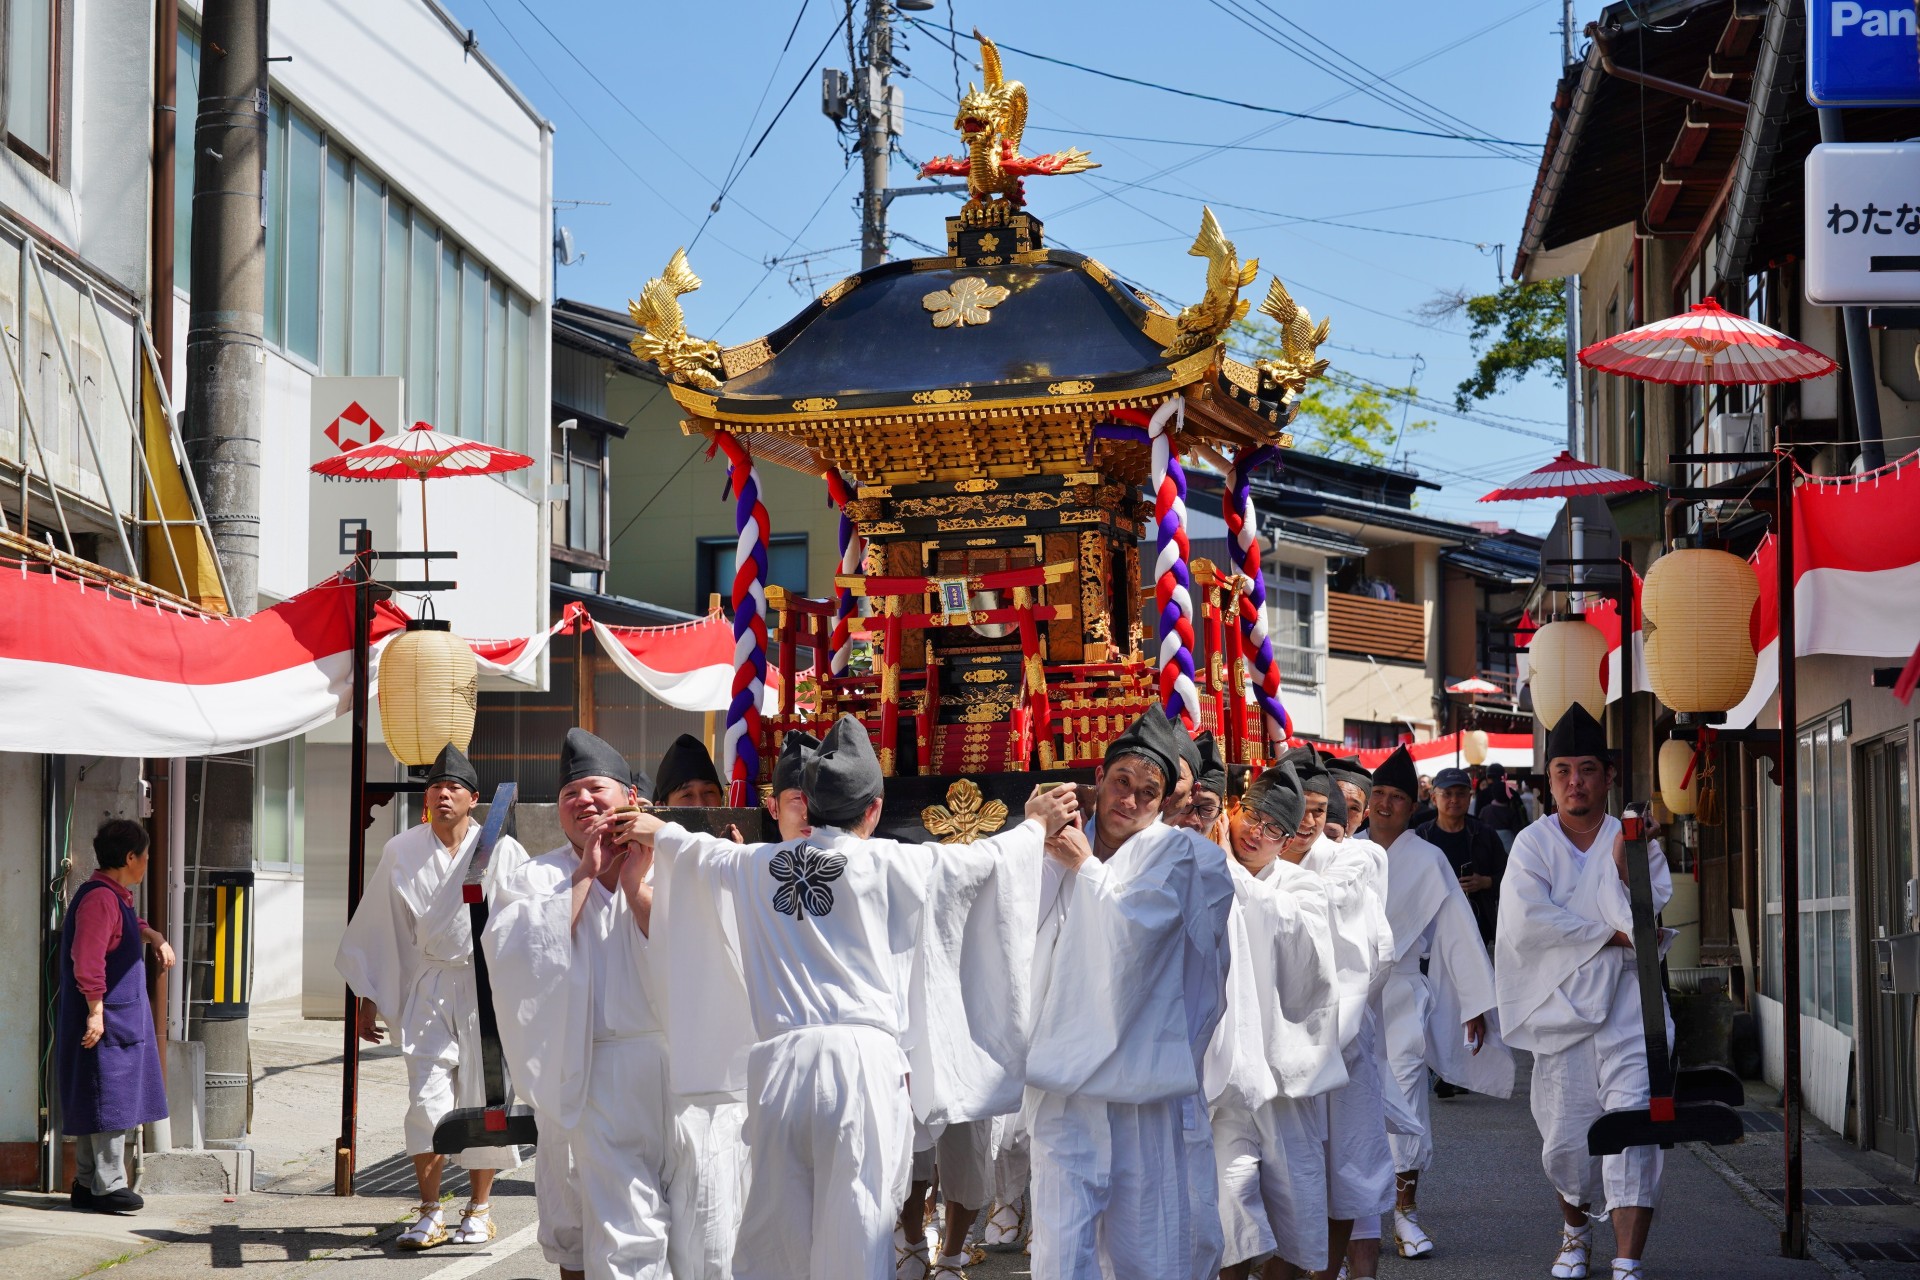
1856 575
87 671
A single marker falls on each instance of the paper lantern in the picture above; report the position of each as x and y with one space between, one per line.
428 683
1565 659
1473 746
1676 754
1698 606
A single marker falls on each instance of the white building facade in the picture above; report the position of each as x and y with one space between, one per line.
408 228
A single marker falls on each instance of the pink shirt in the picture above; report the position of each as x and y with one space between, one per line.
97 925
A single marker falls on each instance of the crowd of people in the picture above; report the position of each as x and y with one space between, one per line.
1180 1022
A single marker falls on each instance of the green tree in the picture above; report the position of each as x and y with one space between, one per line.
1355 422
1338 416
1518 330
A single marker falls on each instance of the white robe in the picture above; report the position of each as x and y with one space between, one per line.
578 1020
1359 1163
1282 1013
841 954
1131 977
1574 1002
409 949
1425 1014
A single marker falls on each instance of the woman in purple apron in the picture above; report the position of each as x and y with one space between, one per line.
109 1065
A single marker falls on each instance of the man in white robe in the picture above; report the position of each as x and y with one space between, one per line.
1275 1040
1130 983
1569 993
568 953
841 951
786 800
408 955
1440 989
1353 876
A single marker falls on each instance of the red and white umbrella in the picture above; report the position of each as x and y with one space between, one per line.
1567 477
421 454
1473 684
1709 344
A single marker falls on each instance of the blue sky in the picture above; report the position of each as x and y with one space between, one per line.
656 105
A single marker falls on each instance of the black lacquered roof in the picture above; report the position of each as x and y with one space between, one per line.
1063 321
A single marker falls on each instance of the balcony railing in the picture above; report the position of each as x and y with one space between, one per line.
1391 630
1297 665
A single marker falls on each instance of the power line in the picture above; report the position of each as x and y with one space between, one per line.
798 85
1228 102
1298 217
734 166
1429 56
620 102
587 124
1375 86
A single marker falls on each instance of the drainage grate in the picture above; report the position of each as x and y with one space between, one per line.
1843 1197
1877 1251
1762 1121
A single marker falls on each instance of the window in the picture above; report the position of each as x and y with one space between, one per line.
786 566
1290 621
1826 876
1371 735
304 151
33 50
576 518
186 107
279 813
359 282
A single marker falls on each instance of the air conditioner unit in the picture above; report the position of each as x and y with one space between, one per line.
1733 433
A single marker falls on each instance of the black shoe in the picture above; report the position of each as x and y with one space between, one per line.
1444 1090
121 1201
82 1197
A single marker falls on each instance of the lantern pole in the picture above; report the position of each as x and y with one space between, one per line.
1793 1240
361 574
364 796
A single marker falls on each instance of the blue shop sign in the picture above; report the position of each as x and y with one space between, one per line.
1862 53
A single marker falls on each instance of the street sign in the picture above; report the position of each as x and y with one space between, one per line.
1862 53
1863 223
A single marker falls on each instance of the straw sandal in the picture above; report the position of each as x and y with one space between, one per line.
428 1231
476 1225
1408 1238
1575 1246
1002 1236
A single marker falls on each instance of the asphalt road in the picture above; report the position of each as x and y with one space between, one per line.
1486 1203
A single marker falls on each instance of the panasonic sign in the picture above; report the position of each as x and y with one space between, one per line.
1848 17
1862 54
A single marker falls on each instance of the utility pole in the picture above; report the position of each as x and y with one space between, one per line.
1575 444
221 429
878 113
874 97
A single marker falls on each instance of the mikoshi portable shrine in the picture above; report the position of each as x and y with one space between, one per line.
1001 428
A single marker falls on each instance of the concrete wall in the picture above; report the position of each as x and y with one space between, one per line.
655 558
278 924
22 851
392 79
96 199
1389 693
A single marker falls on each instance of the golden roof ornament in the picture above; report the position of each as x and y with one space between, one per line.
991 122
663 338
1299 361
970 300
1201 324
